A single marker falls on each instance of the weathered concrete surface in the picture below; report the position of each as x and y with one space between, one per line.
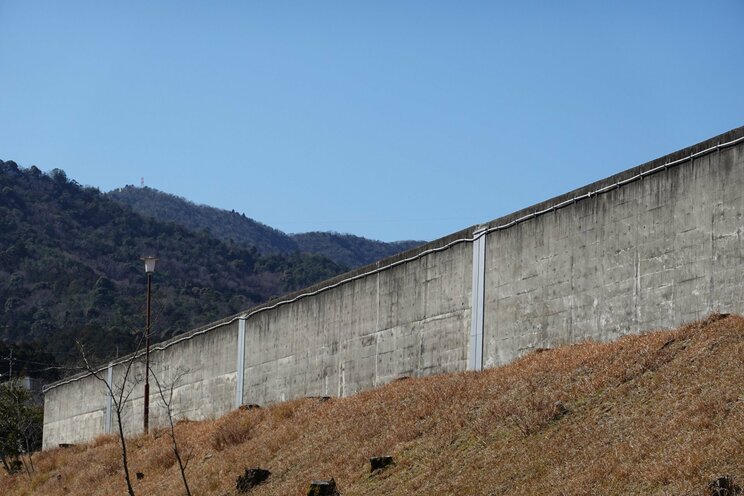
74 413
201 370
652 253
649 253
204 372
409 320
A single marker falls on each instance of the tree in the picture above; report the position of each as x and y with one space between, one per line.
59 176
119 392
21 423
165 391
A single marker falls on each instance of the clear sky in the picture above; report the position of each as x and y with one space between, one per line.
387 119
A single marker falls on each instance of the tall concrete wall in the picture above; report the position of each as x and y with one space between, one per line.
651 247
74 412
407 320
652 253
199 367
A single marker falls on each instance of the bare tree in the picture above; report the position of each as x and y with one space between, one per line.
119 393
165 391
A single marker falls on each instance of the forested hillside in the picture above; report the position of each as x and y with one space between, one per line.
224 225
70 268
345 249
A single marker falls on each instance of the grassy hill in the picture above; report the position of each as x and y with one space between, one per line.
344 249
656 414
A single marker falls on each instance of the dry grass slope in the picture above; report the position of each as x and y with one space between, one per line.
660 413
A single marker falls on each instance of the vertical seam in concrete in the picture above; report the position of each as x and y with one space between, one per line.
637 282
475 360
377 330
377 322
109 399
712 258
713 247
240 366
377 355
341 380
481 298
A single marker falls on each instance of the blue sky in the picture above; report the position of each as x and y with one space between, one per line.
391 120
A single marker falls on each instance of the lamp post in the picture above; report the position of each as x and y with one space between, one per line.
149 269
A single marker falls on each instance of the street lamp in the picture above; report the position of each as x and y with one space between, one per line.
149 269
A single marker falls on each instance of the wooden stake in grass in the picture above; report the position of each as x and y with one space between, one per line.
252 477
379 462
323 488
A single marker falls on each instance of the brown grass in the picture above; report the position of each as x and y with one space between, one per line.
661 413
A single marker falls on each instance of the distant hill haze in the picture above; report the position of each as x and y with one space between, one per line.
344 249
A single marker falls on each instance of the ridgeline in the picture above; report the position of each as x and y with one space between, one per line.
344 249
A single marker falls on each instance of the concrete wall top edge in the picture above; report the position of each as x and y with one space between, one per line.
467 233
619 177
463 235
160 346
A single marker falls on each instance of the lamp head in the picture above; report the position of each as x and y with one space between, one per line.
150 264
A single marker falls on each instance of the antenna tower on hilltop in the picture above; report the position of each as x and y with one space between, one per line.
142 182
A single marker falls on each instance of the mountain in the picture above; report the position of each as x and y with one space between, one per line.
345 249
70 268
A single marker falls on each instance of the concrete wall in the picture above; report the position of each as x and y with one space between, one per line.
74 412
651 247
652 253
200 370
409 320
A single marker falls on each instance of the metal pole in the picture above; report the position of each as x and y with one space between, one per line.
109 398
475 360
240 368
147 356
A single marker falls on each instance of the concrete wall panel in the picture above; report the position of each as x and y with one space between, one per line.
74 413
408 320
653 253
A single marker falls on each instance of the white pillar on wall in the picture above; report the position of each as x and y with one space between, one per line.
475 355
109 399
240 367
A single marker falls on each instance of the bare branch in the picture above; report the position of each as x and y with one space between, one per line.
119 396
167 390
